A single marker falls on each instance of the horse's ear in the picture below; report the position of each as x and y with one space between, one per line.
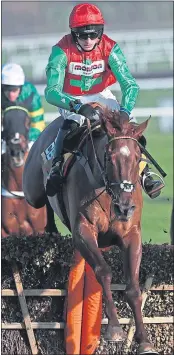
97 106
139 129
106 125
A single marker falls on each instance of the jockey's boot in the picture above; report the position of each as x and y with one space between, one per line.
55 176
151 187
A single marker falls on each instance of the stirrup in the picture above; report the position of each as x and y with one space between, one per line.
150 173
58 163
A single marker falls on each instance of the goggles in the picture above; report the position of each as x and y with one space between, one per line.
85 36
9 88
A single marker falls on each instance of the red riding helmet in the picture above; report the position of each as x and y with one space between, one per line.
85 14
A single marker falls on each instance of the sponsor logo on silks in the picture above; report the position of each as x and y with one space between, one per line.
48 152
87 69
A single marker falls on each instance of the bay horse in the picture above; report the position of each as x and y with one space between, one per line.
103 202
18 217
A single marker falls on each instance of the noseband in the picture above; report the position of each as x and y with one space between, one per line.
126 186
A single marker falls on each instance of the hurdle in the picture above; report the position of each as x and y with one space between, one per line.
83 309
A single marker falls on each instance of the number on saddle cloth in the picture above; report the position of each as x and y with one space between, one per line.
48 153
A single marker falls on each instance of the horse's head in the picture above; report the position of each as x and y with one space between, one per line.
121 164
16 124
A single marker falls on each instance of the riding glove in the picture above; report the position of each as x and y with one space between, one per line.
124 115
85 110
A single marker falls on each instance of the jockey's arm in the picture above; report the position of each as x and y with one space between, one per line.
36 112
128 85
55 72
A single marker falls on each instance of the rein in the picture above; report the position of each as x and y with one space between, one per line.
102 172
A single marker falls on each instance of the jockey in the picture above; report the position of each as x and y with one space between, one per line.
80 68
15 91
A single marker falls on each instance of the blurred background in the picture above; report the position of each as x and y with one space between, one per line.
144 31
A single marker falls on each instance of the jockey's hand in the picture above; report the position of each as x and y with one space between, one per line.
85 110
124 115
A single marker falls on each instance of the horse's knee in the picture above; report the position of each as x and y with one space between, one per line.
3 233
37 219
133 295
103 274
13 229
26 228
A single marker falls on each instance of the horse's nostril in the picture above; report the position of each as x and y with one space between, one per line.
129 209
124 210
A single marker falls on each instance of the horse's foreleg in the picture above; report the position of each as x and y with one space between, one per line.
10 221
51 225
3 233
36 219
132 259
85 240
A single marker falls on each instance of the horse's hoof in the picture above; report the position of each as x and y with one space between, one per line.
147 348
114 333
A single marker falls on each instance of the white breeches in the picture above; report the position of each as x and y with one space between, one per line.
105 97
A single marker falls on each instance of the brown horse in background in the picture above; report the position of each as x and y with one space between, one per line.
103 204
18 217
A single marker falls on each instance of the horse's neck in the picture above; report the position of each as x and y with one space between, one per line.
99 144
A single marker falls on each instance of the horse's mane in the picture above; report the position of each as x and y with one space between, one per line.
113 124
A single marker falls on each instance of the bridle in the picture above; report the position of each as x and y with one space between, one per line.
126 186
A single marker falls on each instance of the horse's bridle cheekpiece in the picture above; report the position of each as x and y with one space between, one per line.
126 186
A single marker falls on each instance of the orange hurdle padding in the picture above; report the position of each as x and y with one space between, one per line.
75 305
84 309
92 313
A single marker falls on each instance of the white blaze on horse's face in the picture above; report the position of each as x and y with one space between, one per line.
125 150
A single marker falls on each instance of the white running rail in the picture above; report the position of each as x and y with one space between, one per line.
137 112
144 84
145 51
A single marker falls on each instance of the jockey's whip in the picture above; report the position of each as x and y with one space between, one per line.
153 161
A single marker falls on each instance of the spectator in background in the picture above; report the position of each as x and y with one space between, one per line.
15 91
80 69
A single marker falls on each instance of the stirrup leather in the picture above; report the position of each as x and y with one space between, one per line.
150 173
